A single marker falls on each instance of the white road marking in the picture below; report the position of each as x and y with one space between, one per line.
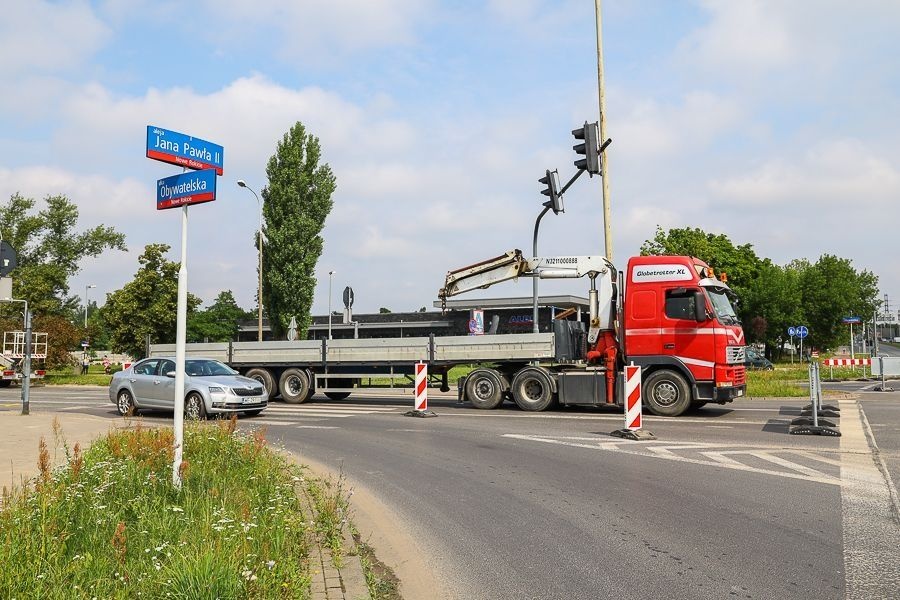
317 427
781 462
868 515
640 449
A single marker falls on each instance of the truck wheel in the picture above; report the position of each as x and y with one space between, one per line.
264 376
312 384
294 386
532 389
339 395
5 383
484 389
666 393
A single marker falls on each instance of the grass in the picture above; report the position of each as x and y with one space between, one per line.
109 524
95 376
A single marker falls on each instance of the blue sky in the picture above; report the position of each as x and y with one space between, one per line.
772 122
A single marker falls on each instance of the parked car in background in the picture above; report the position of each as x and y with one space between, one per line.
755 360
210 388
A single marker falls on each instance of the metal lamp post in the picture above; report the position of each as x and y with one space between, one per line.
243 184
330 278
86 288
26 363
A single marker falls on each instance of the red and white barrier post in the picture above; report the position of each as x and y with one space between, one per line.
633 413
420 406
421 386
632 397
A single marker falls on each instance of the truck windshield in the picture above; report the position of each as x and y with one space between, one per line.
722 305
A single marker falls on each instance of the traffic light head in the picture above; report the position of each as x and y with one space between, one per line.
551 180
589 148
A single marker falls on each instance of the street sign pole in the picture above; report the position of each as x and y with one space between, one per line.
26 365
180 335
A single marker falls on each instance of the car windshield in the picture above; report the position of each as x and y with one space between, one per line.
206 368
722 305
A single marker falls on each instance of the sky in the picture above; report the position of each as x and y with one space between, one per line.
775 123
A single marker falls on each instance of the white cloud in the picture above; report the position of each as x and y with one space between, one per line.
52 37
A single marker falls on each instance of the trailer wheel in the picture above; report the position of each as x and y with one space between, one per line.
294 386
532 389
312 384
5 383
666 393
484 389
344 383
265 377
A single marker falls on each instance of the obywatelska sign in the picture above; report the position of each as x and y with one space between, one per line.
193 187
183 150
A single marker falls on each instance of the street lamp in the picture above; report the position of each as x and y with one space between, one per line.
330 277
86 288
243 184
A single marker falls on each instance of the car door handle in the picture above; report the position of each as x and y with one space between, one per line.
156 382
132 380
669 346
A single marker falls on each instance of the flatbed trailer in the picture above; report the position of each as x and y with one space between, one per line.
298 369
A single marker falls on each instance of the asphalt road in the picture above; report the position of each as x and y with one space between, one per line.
514 505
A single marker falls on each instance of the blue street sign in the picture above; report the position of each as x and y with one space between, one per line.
792 331
802 331
194 187
851 320
183 150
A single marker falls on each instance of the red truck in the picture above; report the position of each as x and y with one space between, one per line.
668 314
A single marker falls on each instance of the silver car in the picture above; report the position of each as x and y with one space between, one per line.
210 388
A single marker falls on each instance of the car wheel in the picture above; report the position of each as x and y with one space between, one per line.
194 407
532 389
125 403
4 383
484 389
294 386
666 393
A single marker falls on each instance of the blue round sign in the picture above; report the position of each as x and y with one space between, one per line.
792 331
802 331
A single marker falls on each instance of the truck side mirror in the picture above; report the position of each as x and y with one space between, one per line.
699 306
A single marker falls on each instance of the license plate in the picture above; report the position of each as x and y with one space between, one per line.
250 400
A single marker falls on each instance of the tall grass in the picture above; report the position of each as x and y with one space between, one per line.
109 524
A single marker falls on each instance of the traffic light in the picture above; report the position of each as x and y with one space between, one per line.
551 180
589 148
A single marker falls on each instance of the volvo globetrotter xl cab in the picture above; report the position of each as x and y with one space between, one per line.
681 327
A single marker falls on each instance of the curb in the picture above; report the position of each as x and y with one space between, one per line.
328 582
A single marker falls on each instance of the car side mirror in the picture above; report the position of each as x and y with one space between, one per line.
171 374
699 306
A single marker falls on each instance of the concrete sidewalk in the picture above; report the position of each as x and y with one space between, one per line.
20 436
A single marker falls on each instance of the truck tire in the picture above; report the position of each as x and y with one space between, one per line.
532 389
666 393
484 388
339 395
312 384
294 385
265 377
5 383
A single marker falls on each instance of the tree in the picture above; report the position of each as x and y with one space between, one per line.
49 252
147 305
384 311
219 322
296 202
773 296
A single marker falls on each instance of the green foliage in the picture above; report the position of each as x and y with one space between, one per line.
147 305
219 322
296 202
384 311
49 252
109 524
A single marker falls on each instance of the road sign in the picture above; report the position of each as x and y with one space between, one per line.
84 343
802 331
348 297
851 320
183 150
8 258
195 187
792 331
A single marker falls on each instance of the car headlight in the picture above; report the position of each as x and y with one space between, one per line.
216 390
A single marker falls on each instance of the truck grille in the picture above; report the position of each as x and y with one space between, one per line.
735 355
740 376
254 391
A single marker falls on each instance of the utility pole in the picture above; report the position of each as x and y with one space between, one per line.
604 160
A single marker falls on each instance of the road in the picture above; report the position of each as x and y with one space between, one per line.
509 504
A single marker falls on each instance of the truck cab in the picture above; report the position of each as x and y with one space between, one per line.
681 327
